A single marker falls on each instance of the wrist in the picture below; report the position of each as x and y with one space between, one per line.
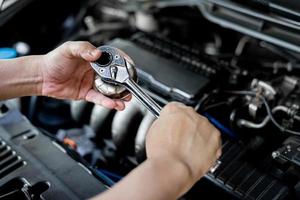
38 74
41 67
173 171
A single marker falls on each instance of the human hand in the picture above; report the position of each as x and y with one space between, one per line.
183 136
181 146
67 74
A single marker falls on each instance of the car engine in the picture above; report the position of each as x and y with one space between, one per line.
235 62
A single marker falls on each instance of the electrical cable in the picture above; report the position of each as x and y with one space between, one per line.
201 109
104 177
211 106
111 175
202 102
288 111
249 124
281 128
268 109
220 126
239 50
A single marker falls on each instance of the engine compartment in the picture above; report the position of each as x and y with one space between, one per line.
248 88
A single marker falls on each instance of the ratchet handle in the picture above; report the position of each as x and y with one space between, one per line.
143 97
154 108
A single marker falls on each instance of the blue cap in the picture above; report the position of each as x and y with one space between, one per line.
7 53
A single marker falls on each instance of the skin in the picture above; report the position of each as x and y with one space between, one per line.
63 73
179 154
181 145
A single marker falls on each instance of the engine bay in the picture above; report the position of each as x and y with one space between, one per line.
248 88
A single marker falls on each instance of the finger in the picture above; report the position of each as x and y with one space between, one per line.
128 97
100 99
173 107
91 55
83 50
120 105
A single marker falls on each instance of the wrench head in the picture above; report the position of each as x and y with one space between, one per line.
112 69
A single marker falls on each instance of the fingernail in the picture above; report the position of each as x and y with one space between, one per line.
120 108
95 52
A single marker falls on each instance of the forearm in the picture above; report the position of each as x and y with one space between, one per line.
154 179
20 77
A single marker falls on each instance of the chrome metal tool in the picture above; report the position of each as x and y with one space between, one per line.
115 72
114 68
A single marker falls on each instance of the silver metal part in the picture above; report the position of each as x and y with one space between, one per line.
292 112
107 88
260 88
113 68
78 109
142 132
215 166
253 107
114 91
275 154
264 89
249 124
98 118
143 97
122 121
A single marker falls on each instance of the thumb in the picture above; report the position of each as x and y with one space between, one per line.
84 50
